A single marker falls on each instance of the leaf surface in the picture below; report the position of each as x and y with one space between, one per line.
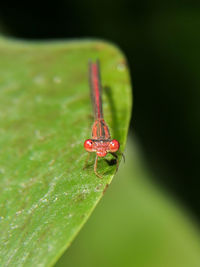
45 116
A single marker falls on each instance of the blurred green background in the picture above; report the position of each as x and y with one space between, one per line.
161 41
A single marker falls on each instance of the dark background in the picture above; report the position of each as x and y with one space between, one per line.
161 40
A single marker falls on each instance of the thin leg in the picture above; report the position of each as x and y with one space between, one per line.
115 155
86 161
122 155
95 168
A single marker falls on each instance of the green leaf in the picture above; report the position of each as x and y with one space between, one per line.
136 224
45 116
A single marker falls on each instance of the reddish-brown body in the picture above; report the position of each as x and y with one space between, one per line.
100 130
101 142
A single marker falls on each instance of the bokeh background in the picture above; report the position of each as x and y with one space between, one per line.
161 40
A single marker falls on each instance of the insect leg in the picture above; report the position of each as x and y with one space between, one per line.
86 161
95 168
117 161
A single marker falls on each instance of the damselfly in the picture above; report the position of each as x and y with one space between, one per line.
101 141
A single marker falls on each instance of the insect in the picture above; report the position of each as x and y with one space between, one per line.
101 141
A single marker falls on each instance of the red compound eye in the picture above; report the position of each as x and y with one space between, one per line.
114 145
88 145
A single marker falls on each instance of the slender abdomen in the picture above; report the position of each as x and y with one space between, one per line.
96 89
